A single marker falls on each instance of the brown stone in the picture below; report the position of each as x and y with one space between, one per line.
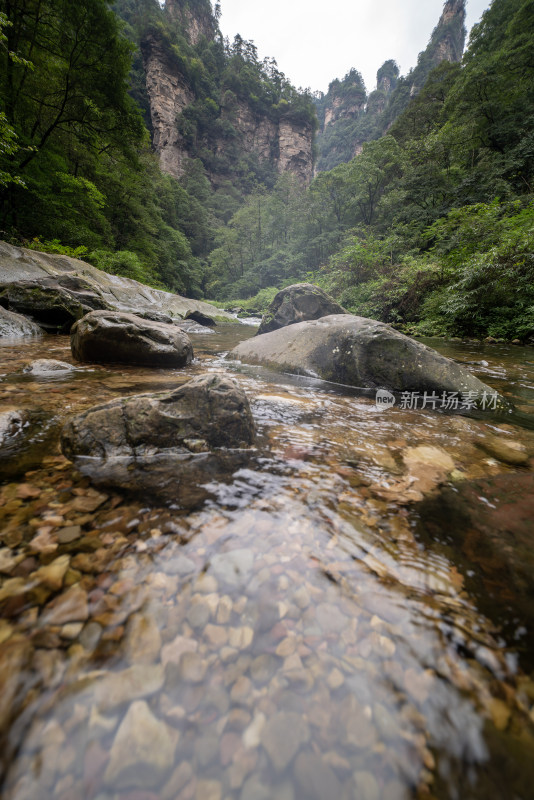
142 752
71 606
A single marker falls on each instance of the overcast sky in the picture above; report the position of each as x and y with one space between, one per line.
315 41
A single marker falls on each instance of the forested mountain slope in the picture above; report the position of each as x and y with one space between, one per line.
431 226
139 139
349 116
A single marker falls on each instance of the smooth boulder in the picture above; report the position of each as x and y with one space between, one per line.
92 287
48 368
166 445
358 352
54 303
113 337
15 326
298 303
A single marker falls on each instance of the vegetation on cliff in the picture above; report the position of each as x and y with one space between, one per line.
348 117
431 227
77 171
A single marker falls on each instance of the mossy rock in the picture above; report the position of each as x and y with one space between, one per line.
298 303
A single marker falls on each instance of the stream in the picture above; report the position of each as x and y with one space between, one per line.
316 630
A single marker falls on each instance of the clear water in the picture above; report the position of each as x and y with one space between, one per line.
294 638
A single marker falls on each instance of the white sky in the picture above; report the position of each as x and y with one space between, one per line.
315 41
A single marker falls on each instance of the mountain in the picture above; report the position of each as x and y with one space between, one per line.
215 101
349 117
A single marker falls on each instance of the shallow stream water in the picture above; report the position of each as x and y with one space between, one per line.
299 636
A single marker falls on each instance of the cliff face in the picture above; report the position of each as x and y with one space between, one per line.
274 139
195 19
446 44
347 115
345 125
169 95
283 143
295 150
338 109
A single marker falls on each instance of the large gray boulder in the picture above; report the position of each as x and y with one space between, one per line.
54 303
298 303
358 352
15 326
112 337
167 445
87 285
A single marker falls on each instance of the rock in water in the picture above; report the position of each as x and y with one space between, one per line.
358 352
24 438
15 326
157 316
112 337
143 751
167 445
298 303
49 368
489 524
91 287
201 319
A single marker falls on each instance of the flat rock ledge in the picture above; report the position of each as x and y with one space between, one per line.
114 337
359 352
166 446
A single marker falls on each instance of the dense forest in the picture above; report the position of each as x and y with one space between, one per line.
77 171
429 227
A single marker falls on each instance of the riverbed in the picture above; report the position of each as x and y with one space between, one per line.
303 634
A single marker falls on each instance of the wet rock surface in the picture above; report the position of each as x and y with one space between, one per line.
505 450
48 368
142 752
16 326
491 520
24 434
358 352
169 444
298 303
104 337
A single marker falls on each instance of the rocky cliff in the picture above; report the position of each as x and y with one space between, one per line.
195 18
169 94
446 44
219 126
348 117
283 143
